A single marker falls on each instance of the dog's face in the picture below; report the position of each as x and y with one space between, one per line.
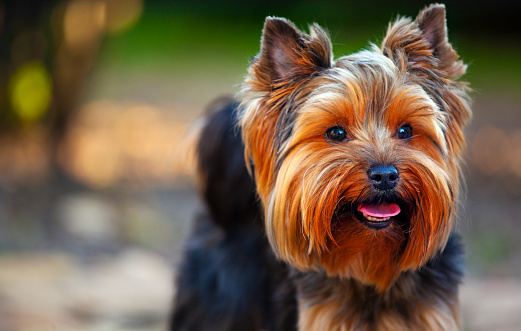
356 160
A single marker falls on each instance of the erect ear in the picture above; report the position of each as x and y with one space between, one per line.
287 54
423 43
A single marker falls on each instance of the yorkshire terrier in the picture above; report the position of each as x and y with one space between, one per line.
343 215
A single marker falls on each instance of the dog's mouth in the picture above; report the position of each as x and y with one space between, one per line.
377 216
374 215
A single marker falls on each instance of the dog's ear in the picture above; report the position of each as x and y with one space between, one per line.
423 43
288 55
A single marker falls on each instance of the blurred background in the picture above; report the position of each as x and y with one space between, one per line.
96 102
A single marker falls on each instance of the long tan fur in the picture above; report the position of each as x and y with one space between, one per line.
294 92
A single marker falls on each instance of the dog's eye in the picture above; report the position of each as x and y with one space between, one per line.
404 132
336 133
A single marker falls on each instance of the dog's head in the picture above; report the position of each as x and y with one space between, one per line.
356 161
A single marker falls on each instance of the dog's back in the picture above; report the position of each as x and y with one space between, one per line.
229 278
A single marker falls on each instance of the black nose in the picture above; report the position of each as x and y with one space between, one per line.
384 177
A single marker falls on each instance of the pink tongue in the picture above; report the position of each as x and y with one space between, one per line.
382 210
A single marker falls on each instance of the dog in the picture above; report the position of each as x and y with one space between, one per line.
331 188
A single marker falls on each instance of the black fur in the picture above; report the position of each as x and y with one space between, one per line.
229 279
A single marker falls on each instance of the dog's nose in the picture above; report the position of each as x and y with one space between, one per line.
383 177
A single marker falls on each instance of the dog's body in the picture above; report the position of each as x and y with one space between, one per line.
230 279
356 164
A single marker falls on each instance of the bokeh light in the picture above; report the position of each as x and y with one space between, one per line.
30 91
84 20
110 141
122 14
490 149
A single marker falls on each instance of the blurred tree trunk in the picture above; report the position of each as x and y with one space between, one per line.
48 32
62 38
